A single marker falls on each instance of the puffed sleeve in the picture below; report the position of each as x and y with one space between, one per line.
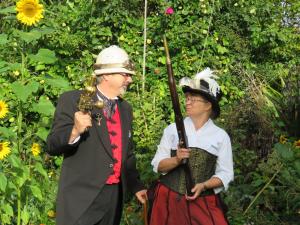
163 151
224 167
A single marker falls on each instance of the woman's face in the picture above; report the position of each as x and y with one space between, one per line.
196 105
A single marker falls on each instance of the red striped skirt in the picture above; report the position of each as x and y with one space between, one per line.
170 208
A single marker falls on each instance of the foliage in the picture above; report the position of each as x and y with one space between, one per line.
253 45
271 192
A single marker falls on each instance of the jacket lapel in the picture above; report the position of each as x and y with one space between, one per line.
125 126
101 129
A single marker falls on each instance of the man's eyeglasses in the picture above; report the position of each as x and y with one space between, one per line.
126 75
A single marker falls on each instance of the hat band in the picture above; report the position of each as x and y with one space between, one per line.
127 66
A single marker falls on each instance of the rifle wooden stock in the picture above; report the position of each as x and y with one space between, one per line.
183 142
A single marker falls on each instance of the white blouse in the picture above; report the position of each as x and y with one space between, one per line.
209 137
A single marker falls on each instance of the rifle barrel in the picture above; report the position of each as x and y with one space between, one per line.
183 142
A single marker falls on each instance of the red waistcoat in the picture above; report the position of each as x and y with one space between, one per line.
115 136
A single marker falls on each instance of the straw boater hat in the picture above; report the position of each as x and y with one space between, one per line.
204 84
113 60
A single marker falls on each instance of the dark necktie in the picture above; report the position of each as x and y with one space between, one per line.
109 105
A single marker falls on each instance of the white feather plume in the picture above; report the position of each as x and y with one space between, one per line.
186 81
208 76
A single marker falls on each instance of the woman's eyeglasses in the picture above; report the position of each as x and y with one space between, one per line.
194 99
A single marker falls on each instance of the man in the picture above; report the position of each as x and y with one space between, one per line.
99 165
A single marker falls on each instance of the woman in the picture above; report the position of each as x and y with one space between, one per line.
210 159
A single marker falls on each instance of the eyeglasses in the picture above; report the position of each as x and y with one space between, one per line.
126 75
194 99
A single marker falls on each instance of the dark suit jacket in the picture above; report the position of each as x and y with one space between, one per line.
88 163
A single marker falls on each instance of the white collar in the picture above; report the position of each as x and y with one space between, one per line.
190 124
115 98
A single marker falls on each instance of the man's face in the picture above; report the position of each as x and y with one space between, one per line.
119 82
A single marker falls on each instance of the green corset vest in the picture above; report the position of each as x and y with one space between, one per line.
202 166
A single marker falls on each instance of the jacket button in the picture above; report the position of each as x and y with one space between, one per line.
111 165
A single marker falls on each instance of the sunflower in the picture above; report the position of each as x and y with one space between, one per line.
4 149
35 149
283 139
51 213
29 11
3 109
297 144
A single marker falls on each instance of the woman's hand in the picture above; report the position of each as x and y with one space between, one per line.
197 189
182 153
168 164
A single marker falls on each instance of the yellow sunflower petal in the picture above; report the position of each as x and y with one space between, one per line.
51 213
3 109
29 11
283 139
4 149
35 149
297 144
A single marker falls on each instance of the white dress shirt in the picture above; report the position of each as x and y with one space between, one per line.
210 138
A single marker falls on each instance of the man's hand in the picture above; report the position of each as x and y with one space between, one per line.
142 196
82 121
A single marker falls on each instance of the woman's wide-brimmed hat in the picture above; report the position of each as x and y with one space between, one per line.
205 84
113 60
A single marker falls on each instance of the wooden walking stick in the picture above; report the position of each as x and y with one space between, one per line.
145 207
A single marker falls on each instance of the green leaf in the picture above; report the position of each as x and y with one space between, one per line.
4 66
7 10
22 92
42 133
8 210
3 182
23 176
6 132
11 185
15 66
44 30
15 161
39 168
284 151
58 161
162 60
5 219
36 191
58 82
3 63
44 106
28 36
3 39
221 49
45 56
25 215
297 166
40 67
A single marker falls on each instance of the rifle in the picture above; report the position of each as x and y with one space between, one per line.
183 142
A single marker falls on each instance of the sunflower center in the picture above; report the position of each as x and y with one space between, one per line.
1 147
29 10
